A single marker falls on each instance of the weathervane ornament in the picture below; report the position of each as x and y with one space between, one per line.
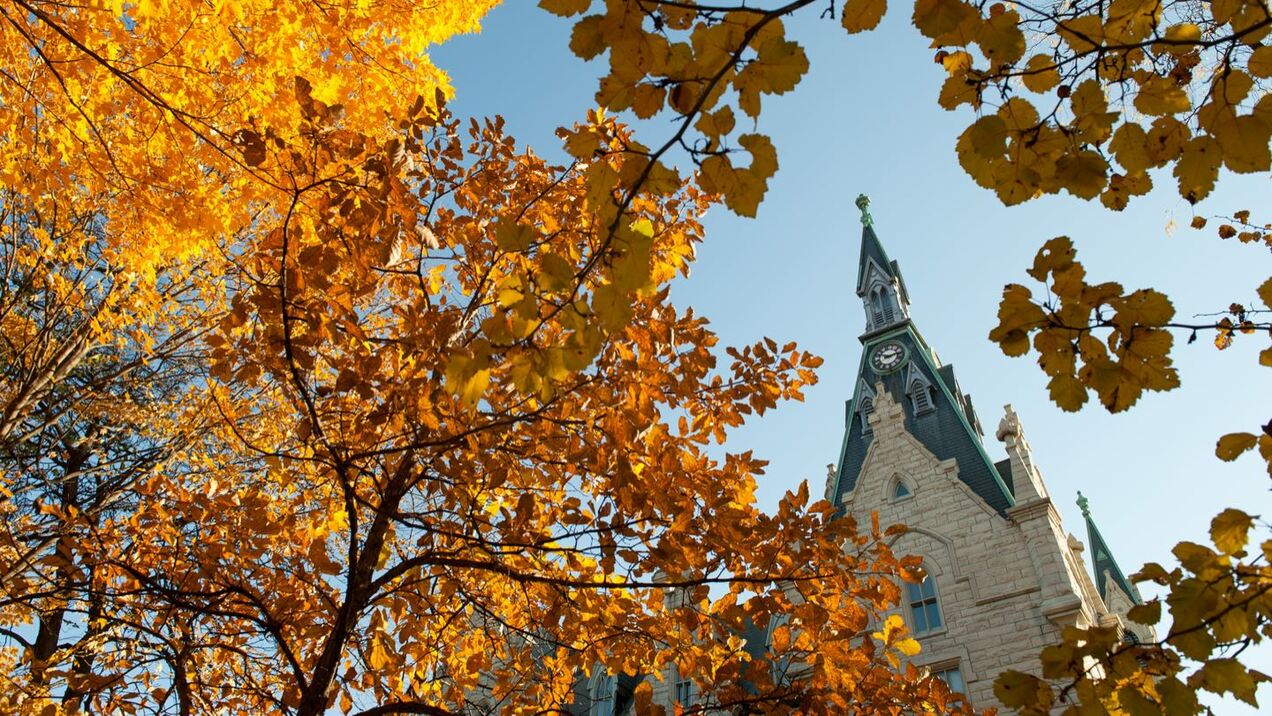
1083 505
863 203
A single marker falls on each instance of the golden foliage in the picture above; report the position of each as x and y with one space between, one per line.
1133 354
1219 600
315 399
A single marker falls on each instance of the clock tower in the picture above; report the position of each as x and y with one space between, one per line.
1004 577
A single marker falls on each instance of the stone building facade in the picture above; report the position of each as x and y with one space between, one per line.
1004 575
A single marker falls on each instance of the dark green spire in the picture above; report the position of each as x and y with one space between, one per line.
1102 561
879 282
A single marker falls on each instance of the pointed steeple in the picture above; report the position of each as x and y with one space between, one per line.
896 361
1102 561
879 282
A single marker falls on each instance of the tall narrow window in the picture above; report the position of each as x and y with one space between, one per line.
684 693
877 303
889 314
953 678
924 611
865 404
922 398
919 390
602 695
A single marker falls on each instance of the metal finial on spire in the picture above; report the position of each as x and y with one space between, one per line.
863 203
1084 505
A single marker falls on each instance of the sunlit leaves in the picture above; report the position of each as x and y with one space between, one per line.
1164 106
1232 445
1230 530
1218 601
699 66
861 15
1088 337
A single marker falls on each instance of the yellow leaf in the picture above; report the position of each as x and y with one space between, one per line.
1244 141
1229 676
1017 316
1019 114
1132 20
1166 140
511 236
1260 63
934 18
1129 145
1144 307
1000 38
716 124
988 136
1183 32
1091 116
565 8
587 40
1265 293
957 62
1161 96
1023 691
1067 392
1224 10
763 155
1082 33
648 100
1230 446
958 90
472 388
1230 530
861 15
781 638
1147 613
908 646
1198 168
1083 173
1040 74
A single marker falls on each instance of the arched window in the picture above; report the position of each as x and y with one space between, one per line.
925 613
877 307
602 694
865 404
900 490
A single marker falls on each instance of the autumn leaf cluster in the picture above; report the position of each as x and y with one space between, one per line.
316 397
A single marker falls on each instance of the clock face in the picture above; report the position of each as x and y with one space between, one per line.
888 357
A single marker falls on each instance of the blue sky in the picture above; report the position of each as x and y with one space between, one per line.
865 119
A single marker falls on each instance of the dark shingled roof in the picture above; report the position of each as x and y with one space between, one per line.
946 431
872 251
1004 471
1103 564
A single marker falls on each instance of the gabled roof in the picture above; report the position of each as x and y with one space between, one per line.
946 432
1102 562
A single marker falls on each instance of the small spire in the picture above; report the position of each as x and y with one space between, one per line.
863 203
1102 562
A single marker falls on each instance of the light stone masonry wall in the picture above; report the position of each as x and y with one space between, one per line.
1006 586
